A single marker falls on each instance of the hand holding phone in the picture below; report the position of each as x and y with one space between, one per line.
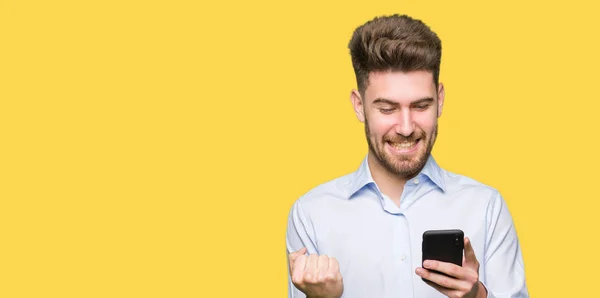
443 245
446 270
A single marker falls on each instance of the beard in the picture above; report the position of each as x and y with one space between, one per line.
405 166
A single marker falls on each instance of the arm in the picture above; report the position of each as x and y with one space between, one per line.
503 261
298 235
504 275
313 276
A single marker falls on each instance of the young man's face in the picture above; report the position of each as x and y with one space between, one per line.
400 111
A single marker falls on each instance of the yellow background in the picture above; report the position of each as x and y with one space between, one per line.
154 148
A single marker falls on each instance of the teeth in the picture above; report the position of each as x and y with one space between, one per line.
403 145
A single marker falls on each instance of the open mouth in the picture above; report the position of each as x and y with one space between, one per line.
404 147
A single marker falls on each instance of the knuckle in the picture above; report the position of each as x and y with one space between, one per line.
467 288
297 280
454 271
473 277
445 282
330 277
309 278
316 279
431 265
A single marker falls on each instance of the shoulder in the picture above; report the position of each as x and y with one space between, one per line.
326 195
333 189
476 195
461 184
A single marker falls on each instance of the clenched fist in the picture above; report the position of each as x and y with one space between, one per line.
316 276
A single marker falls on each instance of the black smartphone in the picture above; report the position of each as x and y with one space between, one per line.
443 245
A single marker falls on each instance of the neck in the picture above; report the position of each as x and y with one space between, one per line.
388 183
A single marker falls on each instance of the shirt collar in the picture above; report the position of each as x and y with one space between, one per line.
362 177
433 171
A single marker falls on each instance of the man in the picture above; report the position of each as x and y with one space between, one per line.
360 235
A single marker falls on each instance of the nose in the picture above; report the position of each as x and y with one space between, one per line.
405 125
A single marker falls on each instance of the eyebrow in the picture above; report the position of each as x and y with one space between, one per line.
394 103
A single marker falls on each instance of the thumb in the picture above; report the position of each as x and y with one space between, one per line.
294 255
469 258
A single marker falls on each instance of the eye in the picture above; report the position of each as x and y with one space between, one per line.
386 111
422 107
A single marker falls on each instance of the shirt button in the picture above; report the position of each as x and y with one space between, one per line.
402 257
416 181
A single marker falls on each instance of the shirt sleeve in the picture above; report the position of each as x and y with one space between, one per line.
299 234
504 268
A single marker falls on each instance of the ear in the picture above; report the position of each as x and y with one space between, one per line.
441 94
357 104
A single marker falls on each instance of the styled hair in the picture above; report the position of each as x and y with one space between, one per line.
394 43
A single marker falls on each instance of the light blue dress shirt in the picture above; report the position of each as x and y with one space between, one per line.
378 244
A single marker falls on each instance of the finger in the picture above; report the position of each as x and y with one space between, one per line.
310 272
447 292
441 280
469 252
322 266
298 269
296 254
439 288
447 268
334 265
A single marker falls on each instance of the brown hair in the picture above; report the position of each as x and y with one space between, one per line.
394 43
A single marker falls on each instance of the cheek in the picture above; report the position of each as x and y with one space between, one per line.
379 126
426 122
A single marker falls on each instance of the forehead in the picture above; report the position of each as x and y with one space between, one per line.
402 87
